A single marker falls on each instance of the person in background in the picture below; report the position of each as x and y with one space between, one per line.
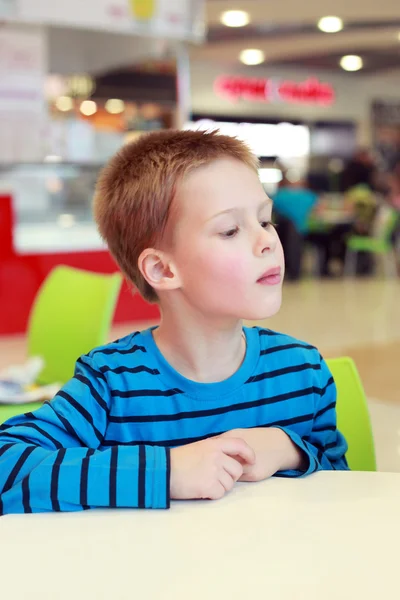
394 201
360 170
394 187
293 205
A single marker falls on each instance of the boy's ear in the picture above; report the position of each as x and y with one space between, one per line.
158 270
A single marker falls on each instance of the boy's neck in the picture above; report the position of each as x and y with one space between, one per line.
200 351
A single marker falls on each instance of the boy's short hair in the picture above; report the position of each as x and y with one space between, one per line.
135 191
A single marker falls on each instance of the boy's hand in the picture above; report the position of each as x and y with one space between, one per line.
274 452
208 469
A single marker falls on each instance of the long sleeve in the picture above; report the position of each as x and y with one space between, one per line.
52 460
325 447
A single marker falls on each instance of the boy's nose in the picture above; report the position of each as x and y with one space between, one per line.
265 242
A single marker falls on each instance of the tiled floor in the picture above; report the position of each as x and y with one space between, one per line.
360 319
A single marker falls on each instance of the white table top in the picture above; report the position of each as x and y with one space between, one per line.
328 536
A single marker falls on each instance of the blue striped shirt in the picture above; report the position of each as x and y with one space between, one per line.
105 439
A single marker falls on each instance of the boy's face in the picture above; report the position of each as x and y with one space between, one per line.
224 243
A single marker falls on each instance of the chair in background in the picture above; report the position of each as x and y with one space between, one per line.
71 315
352 414
379 244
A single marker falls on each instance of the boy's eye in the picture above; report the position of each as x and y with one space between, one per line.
230 233
266 224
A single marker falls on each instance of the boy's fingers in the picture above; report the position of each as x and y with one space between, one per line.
237 447
233 466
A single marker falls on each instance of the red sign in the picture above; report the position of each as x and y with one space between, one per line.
310 91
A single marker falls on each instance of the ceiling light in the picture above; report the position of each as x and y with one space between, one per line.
398 36
115 106
351 62
64 103
252 56
330 24
88 108
235 18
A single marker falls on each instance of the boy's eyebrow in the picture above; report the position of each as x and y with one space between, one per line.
266 202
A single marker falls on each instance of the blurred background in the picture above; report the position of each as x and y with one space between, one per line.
314 89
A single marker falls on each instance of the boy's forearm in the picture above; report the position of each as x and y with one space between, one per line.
292 457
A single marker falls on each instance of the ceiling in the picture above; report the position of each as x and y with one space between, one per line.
287 33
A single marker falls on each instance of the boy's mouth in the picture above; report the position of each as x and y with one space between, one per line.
270 277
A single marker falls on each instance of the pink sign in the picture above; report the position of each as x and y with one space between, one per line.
310 91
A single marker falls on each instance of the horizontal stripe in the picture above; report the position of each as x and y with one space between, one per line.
67 425
283 371
42 432
93 391
330 445
284 347
133 370
291 421
323 429
196 414
17 467
329 382
85 414
145 393
3 449
87 366
192 440
21 438
268 332
109 351
324 410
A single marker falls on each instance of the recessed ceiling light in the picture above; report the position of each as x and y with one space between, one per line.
252 56
351 62
64 103
235 18
88 108
115 106
330 24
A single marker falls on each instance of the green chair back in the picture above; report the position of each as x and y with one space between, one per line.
11 410
385 223
71 315
352 414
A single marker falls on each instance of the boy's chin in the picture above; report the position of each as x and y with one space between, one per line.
262 312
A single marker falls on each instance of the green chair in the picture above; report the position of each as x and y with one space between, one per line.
352 414
10 410
379 244
71 314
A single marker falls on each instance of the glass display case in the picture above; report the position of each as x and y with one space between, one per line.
52 206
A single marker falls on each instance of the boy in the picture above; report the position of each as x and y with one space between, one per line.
186 409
